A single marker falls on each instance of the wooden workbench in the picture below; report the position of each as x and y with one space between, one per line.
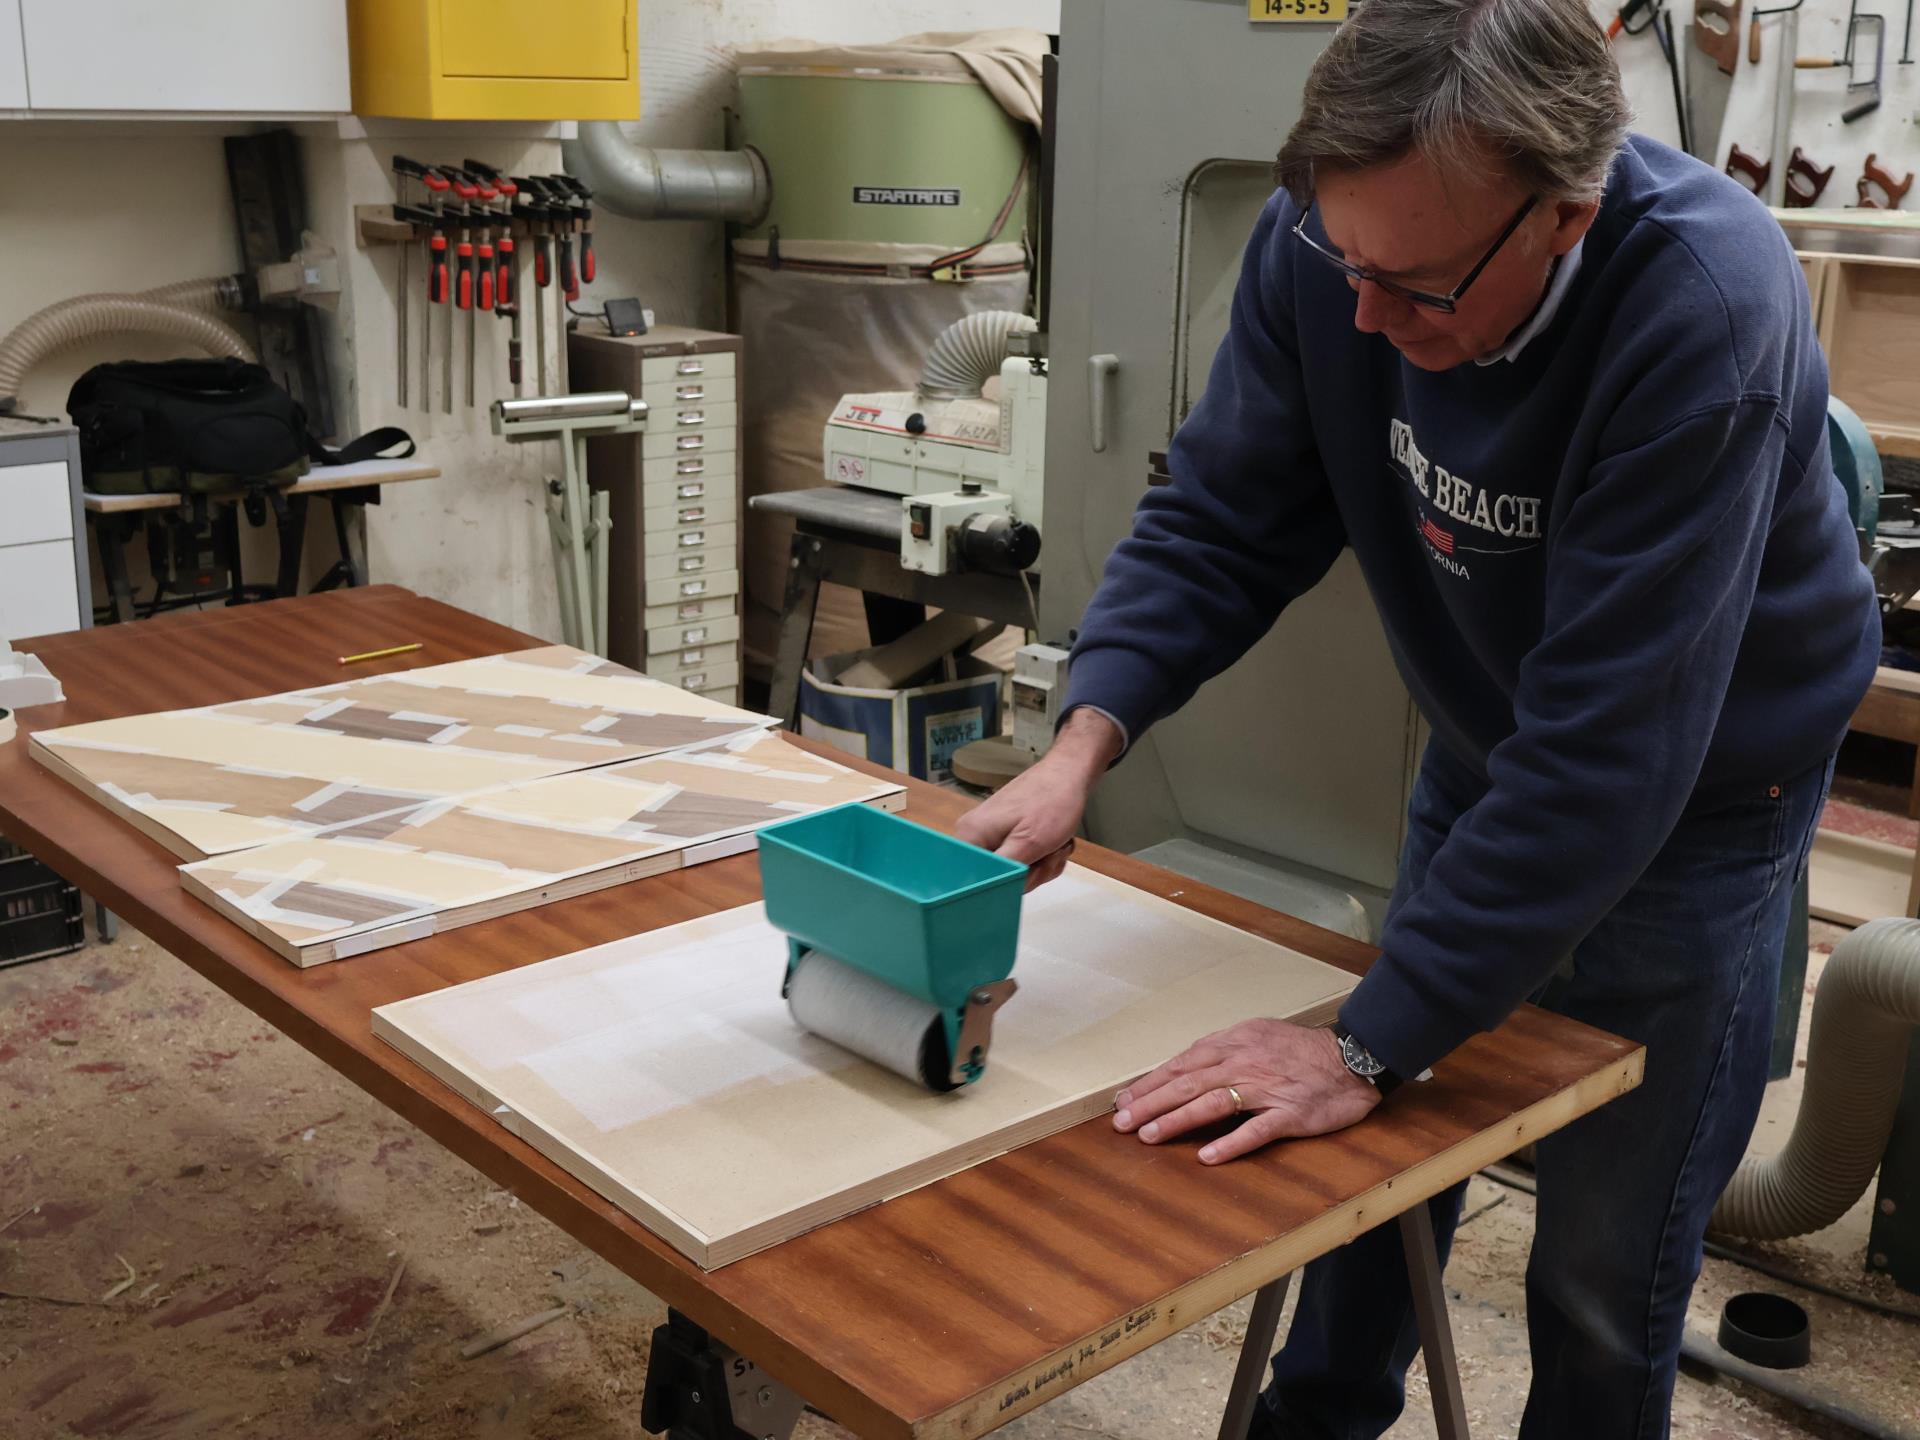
943 1313
114 520
320 480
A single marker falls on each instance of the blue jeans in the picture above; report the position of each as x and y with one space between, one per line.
1688 965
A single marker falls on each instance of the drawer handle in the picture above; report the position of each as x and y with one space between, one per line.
692 539
692 562
690 392
691 612
691 367
690 442
693 587
692 657
697 466
694 682
691 417
693 635
692 515
691 492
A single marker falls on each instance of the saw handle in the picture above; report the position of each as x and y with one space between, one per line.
1757 173
1895 190
1812 180
1716 32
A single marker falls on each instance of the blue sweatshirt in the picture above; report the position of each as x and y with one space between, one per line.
1617 574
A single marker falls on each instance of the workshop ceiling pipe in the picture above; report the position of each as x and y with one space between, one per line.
969 352
1864 1013
644 183
178 311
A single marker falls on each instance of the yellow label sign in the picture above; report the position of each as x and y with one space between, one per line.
1279 12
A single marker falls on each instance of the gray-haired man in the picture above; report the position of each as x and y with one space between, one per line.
1558 389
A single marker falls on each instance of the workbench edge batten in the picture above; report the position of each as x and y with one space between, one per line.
1187 1304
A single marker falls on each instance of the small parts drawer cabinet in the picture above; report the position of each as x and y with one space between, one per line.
673 581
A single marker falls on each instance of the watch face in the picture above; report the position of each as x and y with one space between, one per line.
1359 1059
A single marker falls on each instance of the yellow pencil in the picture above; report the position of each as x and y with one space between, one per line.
380 654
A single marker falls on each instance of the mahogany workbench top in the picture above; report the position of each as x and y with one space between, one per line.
944 1312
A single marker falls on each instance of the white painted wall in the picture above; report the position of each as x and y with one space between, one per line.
95 213
1818 95
476 537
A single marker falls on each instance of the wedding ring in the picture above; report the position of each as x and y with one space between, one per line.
1238 1103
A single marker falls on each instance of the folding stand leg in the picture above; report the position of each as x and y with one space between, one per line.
574 507
796 627
111 533
562 561
350 569
1255 1351
293 544
600 545
1430 1313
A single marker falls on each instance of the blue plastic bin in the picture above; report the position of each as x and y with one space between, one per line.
933 915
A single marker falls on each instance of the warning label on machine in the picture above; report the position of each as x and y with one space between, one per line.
897 195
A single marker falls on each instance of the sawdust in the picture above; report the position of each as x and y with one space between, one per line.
265 1206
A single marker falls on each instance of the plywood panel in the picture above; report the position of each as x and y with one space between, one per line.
1814 266
665 1071
1872 335
396 876
220 778
1853 879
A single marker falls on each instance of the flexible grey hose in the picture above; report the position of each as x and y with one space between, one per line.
178 311
969 352
1864 1013
645 183
213 294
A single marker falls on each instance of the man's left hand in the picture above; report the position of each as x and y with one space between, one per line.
1291 1082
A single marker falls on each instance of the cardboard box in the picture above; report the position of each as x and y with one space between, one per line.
915 730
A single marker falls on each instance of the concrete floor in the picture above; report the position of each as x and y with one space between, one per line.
263 1207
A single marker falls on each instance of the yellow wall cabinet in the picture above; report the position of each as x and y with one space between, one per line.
496 59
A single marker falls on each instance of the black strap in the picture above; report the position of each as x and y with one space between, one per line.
960 257
366 447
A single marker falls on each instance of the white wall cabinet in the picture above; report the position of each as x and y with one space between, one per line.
209 57
13 58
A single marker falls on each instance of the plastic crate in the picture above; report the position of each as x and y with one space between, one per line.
40 914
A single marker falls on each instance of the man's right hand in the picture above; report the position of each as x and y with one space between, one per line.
1034 817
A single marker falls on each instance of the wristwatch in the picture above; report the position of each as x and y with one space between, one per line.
1364 1063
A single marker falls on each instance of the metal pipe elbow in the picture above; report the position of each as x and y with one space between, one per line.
642 182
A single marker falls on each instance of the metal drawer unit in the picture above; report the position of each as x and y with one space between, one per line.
674 571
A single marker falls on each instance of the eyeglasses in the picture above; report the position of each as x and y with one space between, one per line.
1446 304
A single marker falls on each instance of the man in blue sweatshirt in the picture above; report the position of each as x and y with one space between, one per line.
1558 389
